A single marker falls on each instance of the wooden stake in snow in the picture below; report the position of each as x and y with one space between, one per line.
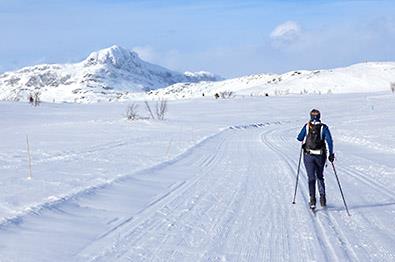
29 157
168 148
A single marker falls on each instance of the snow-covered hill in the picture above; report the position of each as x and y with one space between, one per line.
110 73
116 73
358 78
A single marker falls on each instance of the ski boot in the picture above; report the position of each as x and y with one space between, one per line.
312 202
323 200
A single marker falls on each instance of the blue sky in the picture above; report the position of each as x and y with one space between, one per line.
231 38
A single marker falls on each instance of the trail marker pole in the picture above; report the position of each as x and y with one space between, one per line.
29 158
168 148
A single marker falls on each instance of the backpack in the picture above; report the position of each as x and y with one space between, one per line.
314 137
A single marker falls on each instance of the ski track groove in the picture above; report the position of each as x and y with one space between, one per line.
220 239
323 243
90 190
333 222
381 189
138 233
338 233
233 209
216 227
158 249
323 227
358 175
220 226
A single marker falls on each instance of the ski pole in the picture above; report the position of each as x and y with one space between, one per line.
29 157
297 174
341 191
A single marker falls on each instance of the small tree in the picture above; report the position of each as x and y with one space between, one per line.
161 109
131 112
148 107
226 94
36 98
393 87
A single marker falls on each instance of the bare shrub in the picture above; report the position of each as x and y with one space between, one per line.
36 98
148 107
393 87
161 109
131 112
282 92
226 94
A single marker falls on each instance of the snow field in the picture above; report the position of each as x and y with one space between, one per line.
121 195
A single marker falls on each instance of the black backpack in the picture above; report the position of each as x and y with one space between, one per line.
314 139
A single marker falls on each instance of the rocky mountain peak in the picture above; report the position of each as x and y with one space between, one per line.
115 56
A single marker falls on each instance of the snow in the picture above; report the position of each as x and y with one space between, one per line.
116 74
213 182
358 78
113 73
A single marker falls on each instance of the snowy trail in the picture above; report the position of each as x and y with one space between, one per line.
206 219
367 234
227 199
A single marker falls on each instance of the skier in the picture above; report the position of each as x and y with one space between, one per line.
31 99
313 135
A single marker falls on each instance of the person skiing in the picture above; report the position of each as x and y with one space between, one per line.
313 136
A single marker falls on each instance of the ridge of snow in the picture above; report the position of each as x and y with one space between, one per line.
357 78
203 76
108 74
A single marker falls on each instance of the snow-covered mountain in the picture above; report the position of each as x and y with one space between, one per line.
119 74
107 74
358 78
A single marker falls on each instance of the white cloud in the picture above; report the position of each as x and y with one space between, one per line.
146 53
286 31
171 58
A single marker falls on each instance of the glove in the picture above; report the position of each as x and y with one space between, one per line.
331 157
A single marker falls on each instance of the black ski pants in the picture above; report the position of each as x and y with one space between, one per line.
315 171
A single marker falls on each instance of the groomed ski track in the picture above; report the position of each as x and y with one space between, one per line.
227 199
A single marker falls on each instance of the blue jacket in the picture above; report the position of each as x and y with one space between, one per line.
326 135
